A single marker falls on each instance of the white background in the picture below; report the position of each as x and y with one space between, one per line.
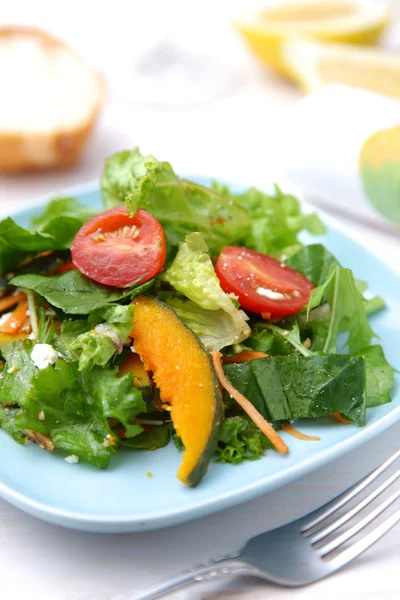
240 137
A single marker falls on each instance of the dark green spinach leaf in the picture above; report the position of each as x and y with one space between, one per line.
74 293
296 387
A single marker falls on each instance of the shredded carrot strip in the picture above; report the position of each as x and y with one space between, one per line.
243 357
11 300
298 434
339 417
70 266
16 319
247 406
266 316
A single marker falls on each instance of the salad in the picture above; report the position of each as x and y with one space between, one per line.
179 314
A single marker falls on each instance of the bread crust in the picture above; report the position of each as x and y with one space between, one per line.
59 148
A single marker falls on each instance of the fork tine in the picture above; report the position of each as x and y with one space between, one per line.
341 539
322 533
348 495
365 543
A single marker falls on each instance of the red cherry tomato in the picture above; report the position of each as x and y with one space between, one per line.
262 284
116 249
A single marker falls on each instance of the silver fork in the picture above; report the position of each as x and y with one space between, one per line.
298 554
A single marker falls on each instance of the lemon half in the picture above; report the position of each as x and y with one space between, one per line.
344 21
314 64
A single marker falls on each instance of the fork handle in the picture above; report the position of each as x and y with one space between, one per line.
224 568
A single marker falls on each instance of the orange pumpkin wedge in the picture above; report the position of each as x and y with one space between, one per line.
183 372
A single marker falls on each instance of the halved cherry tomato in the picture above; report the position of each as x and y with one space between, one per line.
116 249
262 284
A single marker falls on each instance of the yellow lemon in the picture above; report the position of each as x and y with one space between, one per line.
344 21
314 64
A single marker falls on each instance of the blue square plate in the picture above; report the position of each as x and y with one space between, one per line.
124 499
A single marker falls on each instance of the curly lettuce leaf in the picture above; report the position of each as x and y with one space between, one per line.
192 274
275 220
240 440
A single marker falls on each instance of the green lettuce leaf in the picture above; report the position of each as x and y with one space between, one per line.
7 422
74 293
59 208
74 405
275 220
297 387
192 274
240 440
107 331
54 229
180 206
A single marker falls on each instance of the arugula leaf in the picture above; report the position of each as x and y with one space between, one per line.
274 340
290 336
379 376
192 273
347 313
74 293
240 440
295 387
314 262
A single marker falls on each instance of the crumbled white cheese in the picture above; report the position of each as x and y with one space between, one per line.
44 355
72 459
269 293
32 336
4 318
41 416
13 369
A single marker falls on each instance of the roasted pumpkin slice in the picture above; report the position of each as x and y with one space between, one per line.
183 372
133 364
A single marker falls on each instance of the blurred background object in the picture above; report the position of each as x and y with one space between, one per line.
182 82
48 104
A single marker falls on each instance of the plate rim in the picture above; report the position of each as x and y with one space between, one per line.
160 519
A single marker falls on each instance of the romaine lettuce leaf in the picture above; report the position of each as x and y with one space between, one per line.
192 274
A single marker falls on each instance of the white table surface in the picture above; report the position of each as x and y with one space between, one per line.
241 138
